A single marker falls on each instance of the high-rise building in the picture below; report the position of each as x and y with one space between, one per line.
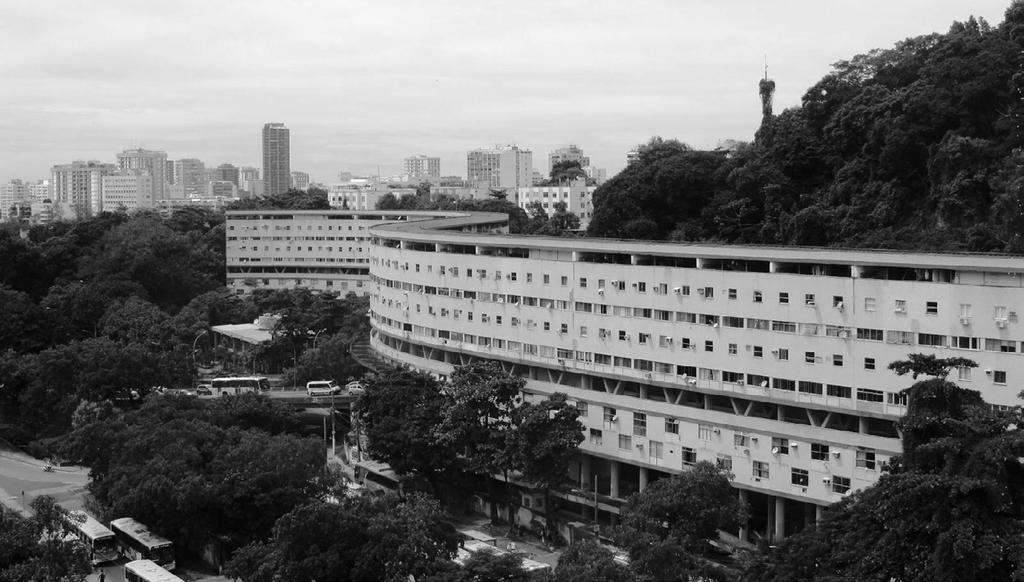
128 191
221 188
249 183
423 169
300 180
503 166
276 159
189 180
571 153
227 173
151 162
40 190
76 189
14 197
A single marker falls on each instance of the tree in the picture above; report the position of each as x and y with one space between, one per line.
367 538
586 560
950 508
666 528
566 171
40 548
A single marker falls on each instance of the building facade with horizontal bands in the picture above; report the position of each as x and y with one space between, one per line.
324 250
769 361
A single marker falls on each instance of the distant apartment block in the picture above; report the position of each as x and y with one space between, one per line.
571 153
423 169
76 189
324 250
189 179
276 159
227 173
362 196
300 180
249 183
127 191
15 200
503 166
221 188
151 162
577 196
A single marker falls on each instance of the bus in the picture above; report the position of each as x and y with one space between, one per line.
138 543
97 539
239 385
147 571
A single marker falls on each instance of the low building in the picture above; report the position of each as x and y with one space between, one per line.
577 196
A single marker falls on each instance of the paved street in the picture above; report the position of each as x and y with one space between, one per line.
23 478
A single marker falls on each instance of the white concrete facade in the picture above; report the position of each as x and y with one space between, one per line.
771 361
324 250
128 192
578 198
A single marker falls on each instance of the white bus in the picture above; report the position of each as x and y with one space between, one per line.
97 539
147 571
239 385
138 543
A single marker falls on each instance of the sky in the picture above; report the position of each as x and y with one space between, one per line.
364 84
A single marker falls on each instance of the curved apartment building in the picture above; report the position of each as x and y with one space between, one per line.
770 361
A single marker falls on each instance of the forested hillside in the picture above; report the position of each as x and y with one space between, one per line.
917 146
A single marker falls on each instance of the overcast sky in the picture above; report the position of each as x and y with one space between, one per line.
365 84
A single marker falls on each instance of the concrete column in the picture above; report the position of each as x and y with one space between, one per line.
862 424
780 519
614 484
585 473
743 524
643 478
819 512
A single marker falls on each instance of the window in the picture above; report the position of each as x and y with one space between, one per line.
869 304
900 306
931 308
671 426
874 335
837 302
583 331
840 485
565 281
563 328
709 346
583 282
529 277
609 415
709 292
783 354
689 456
784 298
839 391
758 351
799 477
868 395
837 359
758 297
819 452
997 345
809 357
732 294
780 446
704 432
964 373
625 442
639 424
866 459
896 398
809 387
643 337
740 440
724 462
547 326
657 450
760 470
622 335
547 279
869 363
809 299
733 349
596 437
999 376
582 408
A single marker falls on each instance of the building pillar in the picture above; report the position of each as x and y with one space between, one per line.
819 512
585 473
643 478
744 523
614 481
780 518
863 424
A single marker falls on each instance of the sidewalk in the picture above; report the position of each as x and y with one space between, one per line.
527 545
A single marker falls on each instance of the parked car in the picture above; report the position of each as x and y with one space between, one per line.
204 389
355 387
322 388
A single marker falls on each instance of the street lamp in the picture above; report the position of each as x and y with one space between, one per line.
316 335
194 342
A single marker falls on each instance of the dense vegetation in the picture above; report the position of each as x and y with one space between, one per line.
917 146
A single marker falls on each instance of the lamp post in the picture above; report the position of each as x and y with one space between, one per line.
194 342
316 335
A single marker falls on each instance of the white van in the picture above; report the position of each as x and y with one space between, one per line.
321 388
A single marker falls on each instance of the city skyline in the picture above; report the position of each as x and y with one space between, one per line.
355 101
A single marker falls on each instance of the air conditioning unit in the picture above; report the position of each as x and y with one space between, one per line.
764 383
746 451
692 381
844 334
615 282
839 306
775 352
1001 323
677 290
715 324
826 480
775 450
600 291
717 430
965 321
561 361
615 418
836 454
794 445
700 291
634 285
648 375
